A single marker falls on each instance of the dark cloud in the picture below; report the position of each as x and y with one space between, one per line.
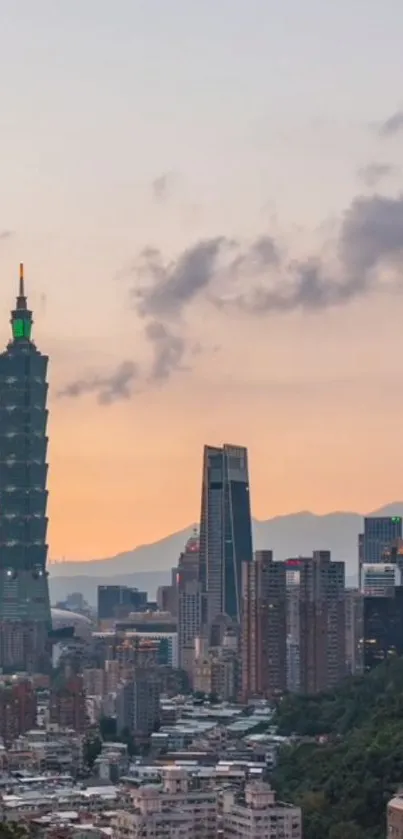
373 173
170 287
6 234
168 351
116 386
370 238
393 125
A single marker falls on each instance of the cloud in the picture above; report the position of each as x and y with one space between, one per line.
116 386
370 238
373 173
6 234
171 287
168 351
393 125
161 187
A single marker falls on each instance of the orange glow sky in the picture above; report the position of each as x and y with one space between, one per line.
260 126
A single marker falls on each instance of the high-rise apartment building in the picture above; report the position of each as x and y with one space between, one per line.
225 530
17 708
322 623
264 627
25 619
67 705
293 627
138 703
189 599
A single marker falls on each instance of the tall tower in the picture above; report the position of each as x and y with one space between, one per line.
225 530
25 618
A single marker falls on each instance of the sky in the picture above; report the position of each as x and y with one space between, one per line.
208 199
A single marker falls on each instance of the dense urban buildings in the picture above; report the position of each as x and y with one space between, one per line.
18 707
25 620
119 601
264 627
225 530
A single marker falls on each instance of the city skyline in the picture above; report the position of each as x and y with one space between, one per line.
173 162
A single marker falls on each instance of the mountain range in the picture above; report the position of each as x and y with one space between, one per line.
291 535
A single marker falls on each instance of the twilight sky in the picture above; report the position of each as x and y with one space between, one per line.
208 198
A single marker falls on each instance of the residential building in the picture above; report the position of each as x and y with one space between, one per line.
25 620
175 811
67 702
322 622
189 592
264 627
256 814
138 703
119 601
225 530
18 707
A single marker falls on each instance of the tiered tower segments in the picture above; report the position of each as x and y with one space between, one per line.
25 618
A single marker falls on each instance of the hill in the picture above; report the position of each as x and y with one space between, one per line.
299 533
343 784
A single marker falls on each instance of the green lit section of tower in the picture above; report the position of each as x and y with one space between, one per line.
25 619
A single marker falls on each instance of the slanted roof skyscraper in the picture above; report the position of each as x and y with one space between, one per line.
25 619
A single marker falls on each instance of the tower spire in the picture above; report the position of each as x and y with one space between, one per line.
21 316
21 299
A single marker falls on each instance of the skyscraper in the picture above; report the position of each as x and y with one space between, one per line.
380 534
24 596
225 529
264 627
189 604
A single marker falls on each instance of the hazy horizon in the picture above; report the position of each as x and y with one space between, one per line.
208 199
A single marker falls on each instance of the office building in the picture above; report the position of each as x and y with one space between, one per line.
256 813
225 530
322 623
378 579
382 627
264 627
189 594
119 601
380 534
25 620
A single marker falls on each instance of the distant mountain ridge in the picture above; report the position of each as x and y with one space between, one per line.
289 535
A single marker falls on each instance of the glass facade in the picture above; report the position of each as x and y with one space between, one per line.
225 530
25 618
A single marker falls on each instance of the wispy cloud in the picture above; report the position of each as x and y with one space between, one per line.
108 388
373 173
162 186
392 125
